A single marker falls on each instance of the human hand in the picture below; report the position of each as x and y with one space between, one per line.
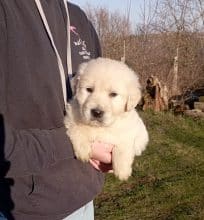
101 158
103 167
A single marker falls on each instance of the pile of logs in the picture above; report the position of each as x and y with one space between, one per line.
155 95
156 98
198 111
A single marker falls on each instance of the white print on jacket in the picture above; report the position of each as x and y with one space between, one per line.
81 44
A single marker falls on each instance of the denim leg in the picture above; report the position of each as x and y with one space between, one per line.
84 213
2 217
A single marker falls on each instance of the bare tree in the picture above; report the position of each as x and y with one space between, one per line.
112 28
177 24
167 43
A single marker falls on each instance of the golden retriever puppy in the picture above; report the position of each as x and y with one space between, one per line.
103 109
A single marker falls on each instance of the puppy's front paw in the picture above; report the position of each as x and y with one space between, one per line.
122 163
138 152
123 173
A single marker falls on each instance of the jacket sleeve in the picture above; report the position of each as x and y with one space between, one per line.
27 151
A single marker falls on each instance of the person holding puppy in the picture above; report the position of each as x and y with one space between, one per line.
40 178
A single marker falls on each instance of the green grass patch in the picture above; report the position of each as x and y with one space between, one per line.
167 180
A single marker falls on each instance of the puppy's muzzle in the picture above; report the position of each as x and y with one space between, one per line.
97 113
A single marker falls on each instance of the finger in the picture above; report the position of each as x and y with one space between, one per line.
103 157
110 171
95 164
106 168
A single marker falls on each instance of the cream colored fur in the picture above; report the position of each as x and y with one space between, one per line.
113 88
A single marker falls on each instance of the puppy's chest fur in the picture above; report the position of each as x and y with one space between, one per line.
128 134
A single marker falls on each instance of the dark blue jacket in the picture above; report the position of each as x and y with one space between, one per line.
40 179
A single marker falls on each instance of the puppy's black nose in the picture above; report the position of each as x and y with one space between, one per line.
97 113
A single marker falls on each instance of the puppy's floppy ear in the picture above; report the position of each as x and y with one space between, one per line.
76 78
74 83
133 100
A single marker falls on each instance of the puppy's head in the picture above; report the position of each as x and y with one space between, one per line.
105 89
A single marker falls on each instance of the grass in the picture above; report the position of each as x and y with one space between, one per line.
168 179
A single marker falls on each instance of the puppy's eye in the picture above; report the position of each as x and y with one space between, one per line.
90 90
113 94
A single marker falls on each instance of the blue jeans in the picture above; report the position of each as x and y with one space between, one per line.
2 217
84 213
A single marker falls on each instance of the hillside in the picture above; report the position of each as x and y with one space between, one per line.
168 179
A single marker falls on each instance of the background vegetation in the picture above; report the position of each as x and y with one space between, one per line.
167 43
167 180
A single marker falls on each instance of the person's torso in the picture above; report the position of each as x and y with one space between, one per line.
34 90
33 98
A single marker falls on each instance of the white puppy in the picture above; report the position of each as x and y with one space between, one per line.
103 109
